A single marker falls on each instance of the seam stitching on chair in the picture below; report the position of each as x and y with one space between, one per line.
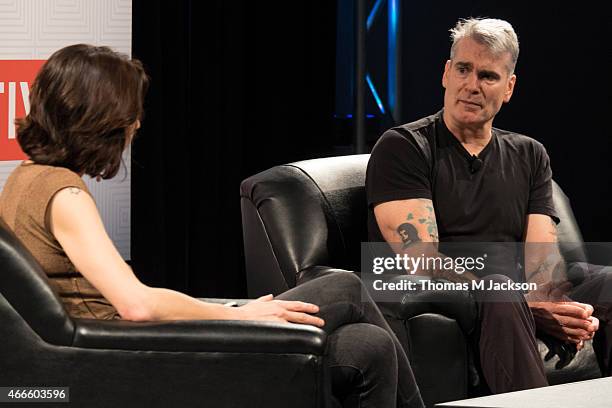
326 202
263 225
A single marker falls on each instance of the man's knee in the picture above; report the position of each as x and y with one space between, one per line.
347 282
504 313
347 279
504 308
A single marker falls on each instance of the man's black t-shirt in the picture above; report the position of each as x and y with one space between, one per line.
424 160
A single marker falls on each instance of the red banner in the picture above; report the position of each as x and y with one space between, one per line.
16 77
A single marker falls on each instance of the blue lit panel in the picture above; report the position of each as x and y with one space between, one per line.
383 76
350 116
375 94
392 54
374 13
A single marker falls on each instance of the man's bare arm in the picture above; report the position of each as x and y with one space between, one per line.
554 312
410 227
407 221
544 264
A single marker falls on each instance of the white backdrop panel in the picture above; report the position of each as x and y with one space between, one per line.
34 29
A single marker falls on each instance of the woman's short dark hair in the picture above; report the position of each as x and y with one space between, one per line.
83 105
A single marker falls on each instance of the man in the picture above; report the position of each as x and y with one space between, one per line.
453 177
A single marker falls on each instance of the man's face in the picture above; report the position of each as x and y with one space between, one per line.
477 83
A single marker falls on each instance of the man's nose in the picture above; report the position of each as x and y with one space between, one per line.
472 83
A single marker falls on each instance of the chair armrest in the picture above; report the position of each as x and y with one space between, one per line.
231 336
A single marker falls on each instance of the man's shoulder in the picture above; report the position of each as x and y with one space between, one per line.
518 141
423 126
418 134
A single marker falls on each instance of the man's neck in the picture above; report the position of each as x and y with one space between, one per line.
473 138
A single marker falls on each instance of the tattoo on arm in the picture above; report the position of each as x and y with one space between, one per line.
408 233
552 268
550 274
430 222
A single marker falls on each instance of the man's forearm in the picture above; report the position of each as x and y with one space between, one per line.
549 270
545 266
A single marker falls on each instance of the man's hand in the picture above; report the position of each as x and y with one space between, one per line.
567 320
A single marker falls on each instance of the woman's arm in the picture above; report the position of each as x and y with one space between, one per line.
76 224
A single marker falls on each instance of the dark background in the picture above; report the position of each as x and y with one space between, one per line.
238 87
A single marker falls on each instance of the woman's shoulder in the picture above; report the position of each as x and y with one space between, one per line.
46 170
44 178
32 186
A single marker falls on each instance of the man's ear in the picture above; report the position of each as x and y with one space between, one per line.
445 74
510 88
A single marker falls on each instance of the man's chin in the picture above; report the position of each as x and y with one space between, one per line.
470 109
469 118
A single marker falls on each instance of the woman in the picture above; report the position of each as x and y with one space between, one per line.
86 105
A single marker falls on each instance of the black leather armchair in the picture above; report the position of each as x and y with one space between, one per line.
308 218
162 364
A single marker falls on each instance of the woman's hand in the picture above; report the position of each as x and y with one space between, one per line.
266 308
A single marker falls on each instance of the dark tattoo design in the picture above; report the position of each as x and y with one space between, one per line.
552 269
408 233
75 190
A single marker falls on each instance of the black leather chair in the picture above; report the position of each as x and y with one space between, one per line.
308 218
163 364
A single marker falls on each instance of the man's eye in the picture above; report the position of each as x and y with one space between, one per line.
488 77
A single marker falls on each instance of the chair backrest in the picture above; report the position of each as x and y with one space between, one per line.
26 288
570 239
314 212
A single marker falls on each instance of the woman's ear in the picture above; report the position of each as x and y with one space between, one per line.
131 132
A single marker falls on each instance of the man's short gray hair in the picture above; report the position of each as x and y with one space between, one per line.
497 35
